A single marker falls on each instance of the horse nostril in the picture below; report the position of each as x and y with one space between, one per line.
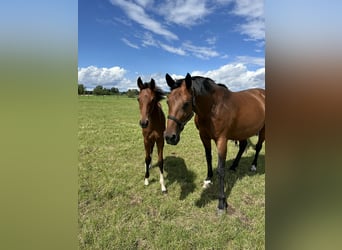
171 139
143 124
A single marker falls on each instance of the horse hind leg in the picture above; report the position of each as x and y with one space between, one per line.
258 147
242 147
160 146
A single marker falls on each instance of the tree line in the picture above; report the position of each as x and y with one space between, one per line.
100 90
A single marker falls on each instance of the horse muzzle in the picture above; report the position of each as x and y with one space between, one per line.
143 124
172 139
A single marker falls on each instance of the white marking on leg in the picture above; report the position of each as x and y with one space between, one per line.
253 168
207 183
161 180
146 179
150 162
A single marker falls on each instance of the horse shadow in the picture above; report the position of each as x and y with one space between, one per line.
230 179
177 171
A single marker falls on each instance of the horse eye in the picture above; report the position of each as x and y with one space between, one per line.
186 105
138 99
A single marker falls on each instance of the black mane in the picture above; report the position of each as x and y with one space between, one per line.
222 85
200 85
158 92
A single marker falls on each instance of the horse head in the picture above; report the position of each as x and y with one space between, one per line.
180 103
146 100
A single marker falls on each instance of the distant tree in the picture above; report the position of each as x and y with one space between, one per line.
81 89
114 91
98 90
105 91
132 93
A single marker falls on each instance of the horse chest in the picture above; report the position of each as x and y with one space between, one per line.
152 134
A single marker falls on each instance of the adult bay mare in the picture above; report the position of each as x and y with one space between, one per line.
221 115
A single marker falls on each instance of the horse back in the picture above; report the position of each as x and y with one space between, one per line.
247 113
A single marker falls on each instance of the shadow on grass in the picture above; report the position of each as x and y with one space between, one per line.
243 169
177 171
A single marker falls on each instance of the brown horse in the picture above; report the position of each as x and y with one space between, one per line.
221 115
152 122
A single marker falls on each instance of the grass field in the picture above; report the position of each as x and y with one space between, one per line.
116 210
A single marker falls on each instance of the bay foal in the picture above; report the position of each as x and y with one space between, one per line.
152 122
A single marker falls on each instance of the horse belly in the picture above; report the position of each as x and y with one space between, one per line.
244 133
247 126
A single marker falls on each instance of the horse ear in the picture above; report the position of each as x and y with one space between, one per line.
152 84
188 81
140 83
169 80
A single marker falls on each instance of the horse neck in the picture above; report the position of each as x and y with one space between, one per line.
203 104
156 111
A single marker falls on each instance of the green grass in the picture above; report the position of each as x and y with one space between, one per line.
116 210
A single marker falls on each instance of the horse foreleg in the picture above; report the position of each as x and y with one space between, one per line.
207 146
242 147
160 146
222 153
148 159
258 147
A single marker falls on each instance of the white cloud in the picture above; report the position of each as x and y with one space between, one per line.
137 14
130 44
92 76
148 40
255 29
178 51
199 51
249 8
184 49
236 76
145 3
211 40
188 13
123 21
253 12
224 1
259 61
184 12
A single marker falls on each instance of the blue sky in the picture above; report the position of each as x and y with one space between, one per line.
120 40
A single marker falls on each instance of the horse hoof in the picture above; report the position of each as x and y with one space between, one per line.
232 169
164 192
221 212
207 184
146 182
253 168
